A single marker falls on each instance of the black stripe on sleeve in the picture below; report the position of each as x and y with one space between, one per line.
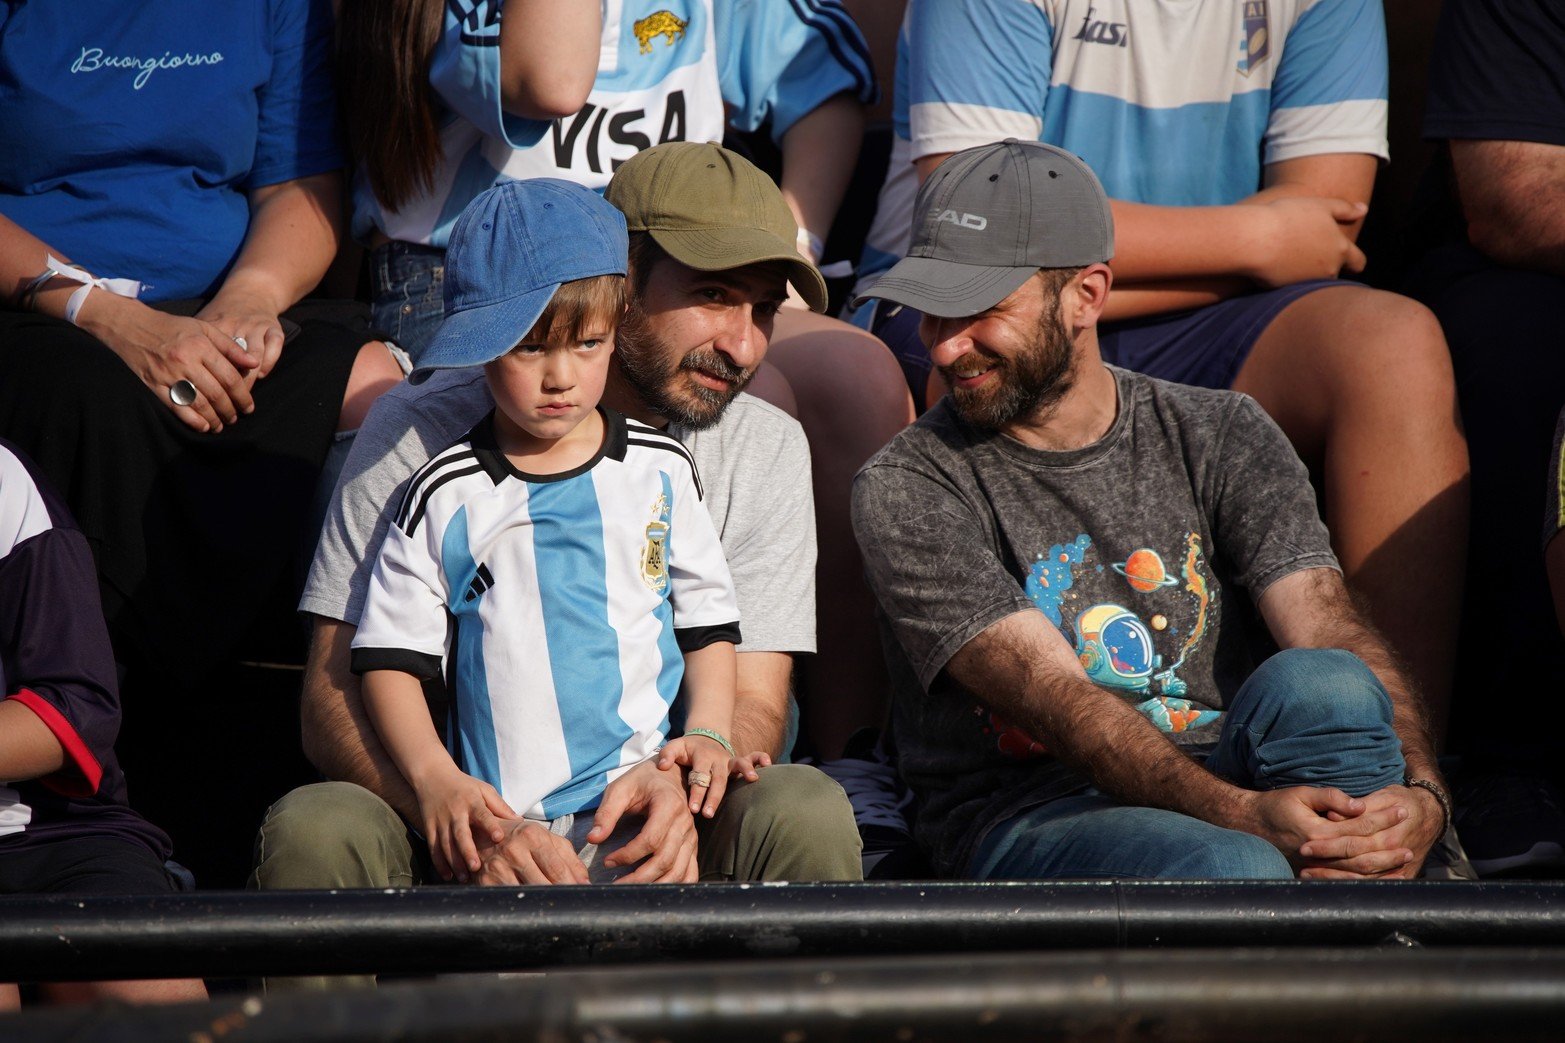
692 639
673 445
429 490
420 664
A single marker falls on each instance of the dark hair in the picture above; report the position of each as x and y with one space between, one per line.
645 253
388 106
576 305
1055 279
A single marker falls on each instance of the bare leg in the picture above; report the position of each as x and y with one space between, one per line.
1361 382
168 990
851 399
374 373
10 998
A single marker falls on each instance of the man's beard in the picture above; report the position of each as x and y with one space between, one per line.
1026 384
659 376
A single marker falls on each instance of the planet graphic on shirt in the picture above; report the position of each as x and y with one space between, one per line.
1144 571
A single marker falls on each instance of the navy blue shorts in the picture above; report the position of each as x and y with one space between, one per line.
1203 346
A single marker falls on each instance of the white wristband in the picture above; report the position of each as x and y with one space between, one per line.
122 287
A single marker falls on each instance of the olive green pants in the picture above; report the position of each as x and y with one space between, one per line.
794 823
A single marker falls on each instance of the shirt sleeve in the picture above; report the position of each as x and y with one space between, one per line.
297 129
55 656
404 625
1266 524
930 561
978 72
386 452
1496 73
1330 92
783 58
769 534
701 589
465 73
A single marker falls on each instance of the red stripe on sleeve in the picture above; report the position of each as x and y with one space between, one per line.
91 772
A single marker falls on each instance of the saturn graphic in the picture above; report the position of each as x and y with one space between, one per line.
1144 571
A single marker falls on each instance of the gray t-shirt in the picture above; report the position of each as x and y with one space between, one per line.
1144 549
754 465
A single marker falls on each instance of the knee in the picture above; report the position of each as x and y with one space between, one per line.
1317 685
1226 854
1400 350
798 801
331 834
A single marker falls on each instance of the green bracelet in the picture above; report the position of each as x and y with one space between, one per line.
715 737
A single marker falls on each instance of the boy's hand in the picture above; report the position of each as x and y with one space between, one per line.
745 766
454 806
707 778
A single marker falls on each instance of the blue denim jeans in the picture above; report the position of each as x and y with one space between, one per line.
408 288
1306 717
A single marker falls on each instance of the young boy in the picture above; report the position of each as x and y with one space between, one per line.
557 560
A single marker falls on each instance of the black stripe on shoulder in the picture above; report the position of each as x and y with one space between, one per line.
433 487
673 445
693 639
421 665
425 477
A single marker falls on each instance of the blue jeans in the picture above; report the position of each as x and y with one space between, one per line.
408 286
1306 717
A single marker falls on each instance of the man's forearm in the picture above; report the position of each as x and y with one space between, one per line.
761 701
335 728
1513 196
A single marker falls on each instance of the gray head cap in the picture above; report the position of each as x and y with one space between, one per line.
988 218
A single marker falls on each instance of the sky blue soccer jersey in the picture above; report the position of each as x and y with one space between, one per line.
668 70
559 607
1171 102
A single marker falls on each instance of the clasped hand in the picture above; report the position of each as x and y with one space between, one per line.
1327 834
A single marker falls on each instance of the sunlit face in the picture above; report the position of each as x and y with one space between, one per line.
691 340
1005 364
546 388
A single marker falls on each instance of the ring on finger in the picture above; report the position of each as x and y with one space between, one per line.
182 393
244 345
700 778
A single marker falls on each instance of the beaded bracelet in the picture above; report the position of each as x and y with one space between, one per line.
1440 795
715 737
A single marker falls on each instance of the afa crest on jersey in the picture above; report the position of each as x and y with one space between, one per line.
1256 45
654 553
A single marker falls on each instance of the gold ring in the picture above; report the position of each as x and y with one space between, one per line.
700 778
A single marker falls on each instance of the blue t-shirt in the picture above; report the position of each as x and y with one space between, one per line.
1171 102
132 131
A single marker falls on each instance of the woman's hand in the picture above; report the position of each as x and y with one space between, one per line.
250 321
164 349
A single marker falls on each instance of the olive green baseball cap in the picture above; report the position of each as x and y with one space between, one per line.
711 209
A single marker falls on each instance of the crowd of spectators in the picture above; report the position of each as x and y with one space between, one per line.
1104 523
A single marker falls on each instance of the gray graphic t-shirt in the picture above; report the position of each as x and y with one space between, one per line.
1145 549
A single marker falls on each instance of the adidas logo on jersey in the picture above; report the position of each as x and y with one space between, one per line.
481 582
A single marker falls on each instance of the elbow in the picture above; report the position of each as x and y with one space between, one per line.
559 97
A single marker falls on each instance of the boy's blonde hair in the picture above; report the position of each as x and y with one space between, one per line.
578 306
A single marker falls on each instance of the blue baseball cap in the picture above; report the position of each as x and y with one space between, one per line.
510 250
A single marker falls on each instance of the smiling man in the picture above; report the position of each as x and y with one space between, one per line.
1066 555
711 257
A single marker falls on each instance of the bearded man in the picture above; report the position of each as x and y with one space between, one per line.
1068 557
711 256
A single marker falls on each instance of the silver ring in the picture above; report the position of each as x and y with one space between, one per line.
244 345
182 393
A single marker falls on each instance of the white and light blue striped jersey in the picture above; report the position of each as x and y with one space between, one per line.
560 607
668 70
1171 102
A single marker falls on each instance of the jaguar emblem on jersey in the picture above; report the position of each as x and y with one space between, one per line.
660 23
654 554
1256 46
